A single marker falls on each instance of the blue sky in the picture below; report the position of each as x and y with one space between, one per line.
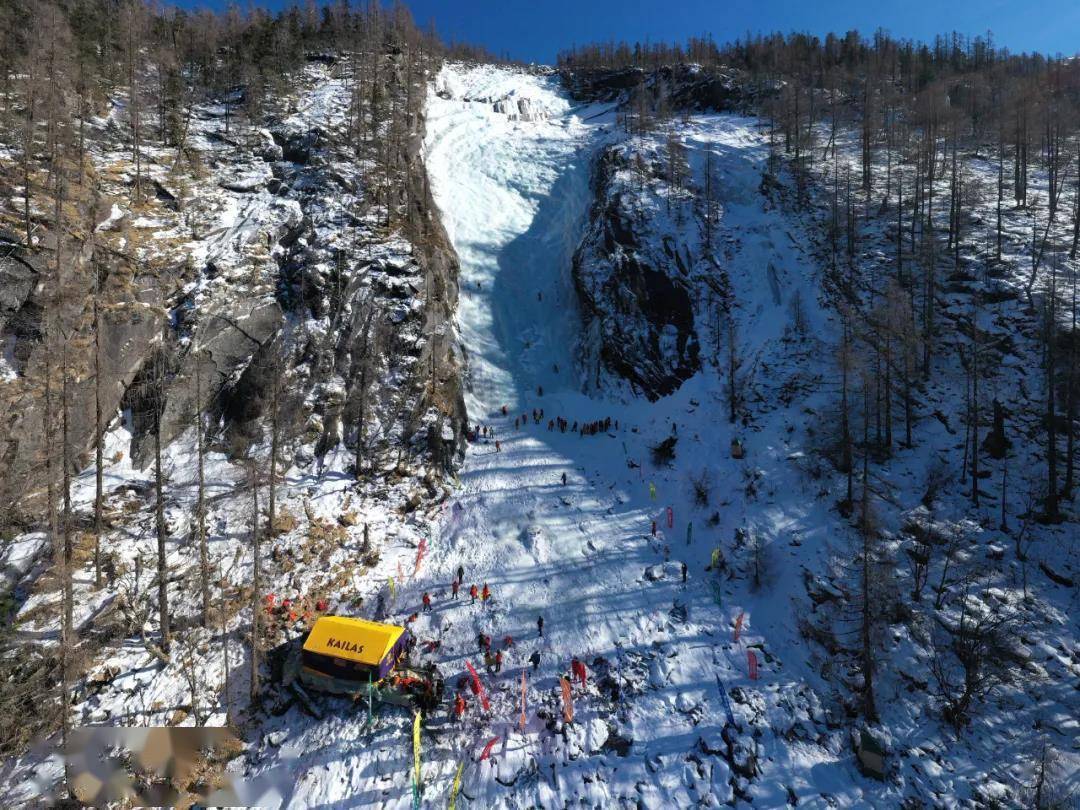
534 30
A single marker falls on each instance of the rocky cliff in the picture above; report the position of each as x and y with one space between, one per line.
277 246
631 273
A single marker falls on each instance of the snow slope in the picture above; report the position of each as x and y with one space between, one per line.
513 196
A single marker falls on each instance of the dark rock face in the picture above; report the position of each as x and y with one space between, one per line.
601 85
18 276
685 86
634 292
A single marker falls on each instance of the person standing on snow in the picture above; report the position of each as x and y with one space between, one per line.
486 593
534 659
460 573
498 662
427 602
540 625
498 446
577 670
683 572
473 592
564 479
455 586
459 706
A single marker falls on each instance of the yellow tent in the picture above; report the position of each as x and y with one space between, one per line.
353 639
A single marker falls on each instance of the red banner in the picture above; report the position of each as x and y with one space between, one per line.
420 554
479 687
568 702
523 701
752 661
487 749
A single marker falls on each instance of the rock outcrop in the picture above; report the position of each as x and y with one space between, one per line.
634 289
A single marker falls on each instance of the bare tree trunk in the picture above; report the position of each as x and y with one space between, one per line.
200 503
159 520
867 615
1051 416
99 438
256 583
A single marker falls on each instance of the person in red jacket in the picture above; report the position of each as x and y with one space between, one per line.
427 602
473 592
498 662
455 586
486 593
459 706
577 670
508 642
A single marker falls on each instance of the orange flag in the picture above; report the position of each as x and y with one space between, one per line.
523 701
568 703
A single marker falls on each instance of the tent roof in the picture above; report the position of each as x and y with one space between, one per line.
352 639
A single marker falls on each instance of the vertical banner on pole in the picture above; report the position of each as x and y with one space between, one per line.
751 659
487 749
568 702
738 625
479 686
727 703
416 750
456 786
670 517
420 554
523 701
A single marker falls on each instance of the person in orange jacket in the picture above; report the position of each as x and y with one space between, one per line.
577 670
459 706
486 594
473 592
455 586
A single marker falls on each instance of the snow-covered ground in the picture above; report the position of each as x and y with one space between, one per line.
514 195
509 158
647 730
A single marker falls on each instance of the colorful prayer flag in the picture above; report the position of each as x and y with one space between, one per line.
456 786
